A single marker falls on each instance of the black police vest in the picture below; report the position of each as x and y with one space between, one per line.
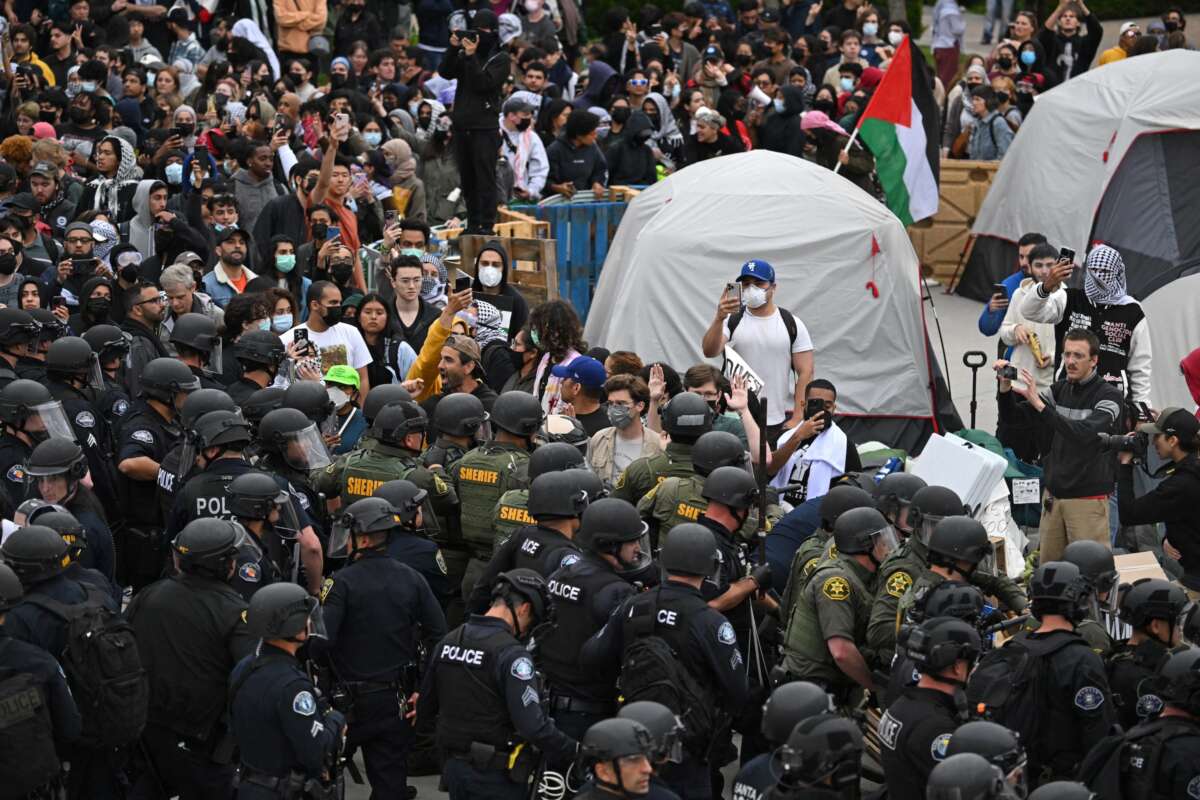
573 590
1142 754
668 616
1131 672
472 706
536 546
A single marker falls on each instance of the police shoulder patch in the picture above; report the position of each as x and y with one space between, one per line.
143 436
836 588
833 551
522 669
439 485
249 572
85 419
441 563
16 473
725 634
568 560
620 484
1089 698
899 583
120 407
938 747
1148 705
304 704
328 584
1193 788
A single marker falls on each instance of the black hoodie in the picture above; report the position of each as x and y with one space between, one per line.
781 129
520 309
630 160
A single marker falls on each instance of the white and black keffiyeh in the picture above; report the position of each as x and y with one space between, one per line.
1104 277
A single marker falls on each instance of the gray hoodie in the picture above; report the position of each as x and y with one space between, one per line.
141 227
253 194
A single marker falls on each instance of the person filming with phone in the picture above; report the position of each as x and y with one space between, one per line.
810 456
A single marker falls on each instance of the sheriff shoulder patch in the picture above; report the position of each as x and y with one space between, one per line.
899 583
836 588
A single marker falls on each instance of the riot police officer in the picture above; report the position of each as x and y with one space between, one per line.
1152 608
408 543
268 512
172 473
111 346
822 759
148 432
831 611
483 691
379 397
680 499
377 612
214 443
56 468
512 509
74 534
618 751
666 744
787 706
701 638
311 398
484 474
969 775
915 730
838 500
458 419
1095 561
290 445
196 343
19 332
191 624
288 742
955 599
35 741
997 744
257 406
32 365
30 416
260 354
686 417
893 495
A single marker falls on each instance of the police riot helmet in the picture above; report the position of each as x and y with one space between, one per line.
311 398
50 327
666 729
68 527
1058 587
610 740
1178 679
459 414
1062 790
609 523
789 705
107 341
857 530
397 420
28 406
36 553
561 428
57 456
383 395
10 589
557 495
939 642
406 498
163 378
840 499
72 356
260 403
957 599
958 539
929 505
517 413
287 433
690 549
17 327
554 456
894 494
966 776
364 517
822 747
686 417
523 585
284 611
253 495
717 449
1149 599
999 745
206 546
1096 562
202 401
259 350
195 332
220 428
730 486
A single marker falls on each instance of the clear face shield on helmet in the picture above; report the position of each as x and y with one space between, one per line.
1107 596
49 419
94 377
1187 623
669 746
287 525
214 358
925 530
246 543
305 449
316 620
884 542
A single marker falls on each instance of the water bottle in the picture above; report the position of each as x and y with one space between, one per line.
889 466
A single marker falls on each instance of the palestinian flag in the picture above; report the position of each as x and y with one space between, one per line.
900 125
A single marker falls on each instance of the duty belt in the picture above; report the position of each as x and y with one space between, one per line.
564 703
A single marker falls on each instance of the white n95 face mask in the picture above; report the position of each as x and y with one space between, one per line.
490 276
754 296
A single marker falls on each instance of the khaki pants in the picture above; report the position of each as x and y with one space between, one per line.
1069 521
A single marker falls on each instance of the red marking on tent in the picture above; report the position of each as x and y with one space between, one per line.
875 250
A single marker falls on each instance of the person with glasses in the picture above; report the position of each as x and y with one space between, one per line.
78 264
145 308
637 85
614 448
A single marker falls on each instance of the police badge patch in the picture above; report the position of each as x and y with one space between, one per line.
143 436
120 407
1089 698
1193 788
1148 705
16 473
725 634
304 704
85 419
568 560
522 669
938 747
441 562
249 572
899 583
836 588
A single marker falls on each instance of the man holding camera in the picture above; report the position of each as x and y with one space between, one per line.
1174 437
1079 472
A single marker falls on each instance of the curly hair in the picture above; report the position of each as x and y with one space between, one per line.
242 309
17 149
50 150
558 328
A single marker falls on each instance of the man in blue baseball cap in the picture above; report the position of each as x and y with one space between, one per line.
583 392
771 340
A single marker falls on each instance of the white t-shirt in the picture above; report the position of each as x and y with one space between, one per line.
763 343
341 344
624 452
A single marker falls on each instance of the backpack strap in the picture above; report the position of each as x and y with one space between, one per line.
789 322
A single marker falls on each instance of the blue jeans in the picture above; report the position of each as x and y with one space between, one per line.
997 10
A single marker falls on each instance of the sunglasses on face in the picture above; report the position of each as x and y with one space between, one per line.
639 82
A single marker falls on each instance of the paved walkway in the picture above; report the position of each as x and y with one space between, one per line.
974 32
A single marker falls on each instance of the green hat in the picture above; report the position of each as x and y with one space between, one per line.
343 374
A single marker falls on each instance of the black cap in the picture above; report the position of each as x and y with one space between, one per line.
23 201
225 235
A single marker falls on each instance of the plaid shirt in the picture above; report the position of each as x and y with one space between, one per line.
188 49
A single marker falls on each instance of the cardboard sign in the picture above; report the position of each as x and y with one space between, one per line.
1026 491
1135 566
735 365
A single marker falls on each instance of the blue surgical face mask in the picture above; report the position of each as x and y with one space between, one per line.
778 105
174 173
218 227
847 84
415 252
870 28
281 322
285 263
373 138
264 325
1028 57
87 87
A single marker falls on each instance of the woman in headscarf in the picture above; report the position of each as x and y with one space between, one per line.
95 305
408 191
428 111
602 82
780 130
246 29
667 139
112 190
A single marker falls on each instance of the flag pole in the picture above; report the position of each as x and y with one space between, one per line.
849 143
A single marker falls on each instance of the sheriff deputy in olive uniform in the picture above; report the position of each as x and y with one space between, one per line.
787 706
148 432
484 474
408 543
483 691
512 509
915 730
377 612
685 418
678 499
1151 607
192 624
1095 561
1159 759
457 419
288 742
172 473
830 614
838 500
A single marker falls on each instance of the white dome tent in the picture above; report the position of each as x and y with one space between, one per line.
844 266
1112 155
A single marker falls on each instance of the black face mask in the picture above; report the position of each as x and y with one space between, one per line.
79 115
47 116
129 273
341 272
743 60
8 264
653 119
826 106
523 125
424 121
337 81
97 307
333 316
1004 62
1171 26
1002 97
186 128
518 360
319 229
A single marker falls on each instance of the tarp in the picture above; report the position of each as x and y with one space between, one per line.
684 238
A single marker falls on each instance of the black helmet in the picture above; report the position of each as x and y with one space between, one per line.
1060 588
56 456
941 641
895 492
1150 599
518 413
311 398
717 449
690 549
253 495
523 585
260 403
17 327
107 341
259 349
1062 790
287 433
284 611
10 589
613 739
397 420
929 505
966 776
553 456
68 527
557 495
561 428
36 553
195 331
791 704
956 599
163 378
1095 561
609 523
686 417
380 396
999 745
202 401
856 529
207 545
1178 679
665 729
406 498
823 747
459 414
19 399
956 539
730 486
841 499
220 428
51 328
71 355
366 516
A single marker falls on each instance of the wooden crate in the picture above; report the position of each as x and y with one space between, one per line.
939 241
